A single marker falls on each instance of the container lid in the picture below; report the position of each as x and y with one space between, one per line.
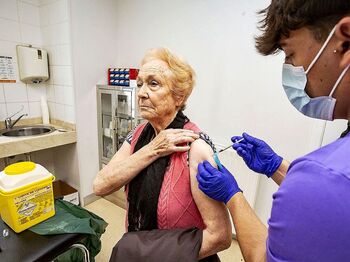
21 174
19 168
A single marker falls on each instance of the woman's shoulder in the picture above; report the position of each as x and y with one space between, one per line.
203 136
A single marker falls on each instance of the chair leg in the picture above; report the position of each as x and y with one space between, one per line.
84 250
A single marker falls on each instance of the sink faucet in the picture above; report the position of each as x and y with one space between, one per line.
8 120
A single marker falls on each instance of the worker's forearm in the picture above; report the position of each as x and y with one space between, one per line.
118 173
281 172
251 233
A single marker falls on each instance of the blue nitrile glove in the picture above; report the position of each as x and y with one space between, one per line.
258 155
219 185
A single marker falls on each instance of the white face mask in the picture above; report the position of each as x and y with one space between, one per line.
294 80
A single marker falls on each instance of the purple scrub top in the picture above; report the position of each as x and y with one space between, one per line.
310 217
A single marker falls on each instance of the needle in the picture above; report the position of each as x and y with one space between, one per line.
230 146
216 157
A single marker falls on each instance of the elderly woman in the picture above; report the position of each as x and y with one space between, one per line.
158 161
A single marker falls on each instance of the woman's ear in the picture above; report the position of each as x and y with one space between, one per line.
179 100
343 35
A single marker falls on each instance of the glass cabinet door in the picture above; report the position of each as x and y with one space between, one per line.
124 114
107 123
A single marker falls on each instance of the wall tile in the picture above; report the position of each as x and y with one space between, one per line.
60 34
28 14
14 107
59 55
46 2
15 92
31 34
8 9
60 112
35 109
69 114
58 12
54 55
65 55
9 30
47 35
52 109
50 93
62 75
3 111
35 92
59 94
44 15
56 34
51 75
8 48
32 2
2 96
69 98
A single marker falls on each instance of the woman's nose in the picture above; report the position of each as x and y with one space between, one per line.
142 93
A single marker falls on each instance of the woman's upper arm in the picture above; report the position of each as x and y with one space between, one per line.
214 213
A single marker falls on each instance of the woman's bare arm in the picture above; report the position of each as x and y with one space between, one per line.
217 235
124 166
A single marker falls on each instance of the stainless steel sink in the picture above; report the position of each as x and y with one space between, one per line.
27 131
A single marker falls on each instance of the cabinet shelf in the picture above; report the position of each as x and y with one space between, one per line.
107 114
124 116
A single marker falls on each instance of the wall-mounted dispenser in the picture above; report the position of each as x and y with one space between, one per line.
32 64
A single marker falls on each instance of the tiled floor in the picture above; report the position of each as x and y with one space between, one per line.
115 216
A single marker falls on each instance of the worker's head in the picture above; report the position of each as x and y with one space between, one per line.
300 28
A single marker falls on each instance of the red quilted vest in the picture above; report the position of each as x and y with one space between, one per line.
176 206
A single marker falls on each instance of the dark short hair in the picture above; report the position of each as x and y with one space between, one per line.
283 16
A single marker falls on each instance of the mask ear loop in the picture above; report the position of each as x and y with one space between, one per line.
321 50
339 79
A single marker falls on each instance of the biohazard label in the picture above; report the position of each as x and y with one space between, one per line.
27 209
33 204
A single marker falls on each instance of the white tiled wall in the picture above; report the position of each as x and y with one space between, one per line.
56 39
42 23
19 24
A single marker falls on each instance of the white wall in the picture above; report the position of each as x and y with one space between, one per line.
55 24
237 89
19 24
94 45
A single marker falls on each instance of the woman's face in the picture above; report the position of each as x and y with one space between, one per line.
155 99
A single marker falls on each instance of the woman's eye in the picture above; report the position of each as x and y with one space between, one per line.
153 83
139 84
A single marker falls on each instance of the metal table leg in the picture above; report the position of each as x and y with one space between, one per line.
84 250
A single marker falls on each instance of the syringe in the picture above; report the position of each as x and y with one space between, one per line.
216 157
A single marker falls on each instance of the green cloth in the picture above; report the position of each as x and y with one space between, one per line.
71 218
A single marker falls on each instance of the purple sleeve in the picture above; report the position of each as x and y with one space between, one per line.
310 217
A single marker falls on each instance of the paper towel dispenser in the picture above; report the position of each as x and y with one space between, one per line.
32 64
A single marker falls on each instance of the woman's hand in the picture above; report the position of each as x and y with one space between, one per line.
172 140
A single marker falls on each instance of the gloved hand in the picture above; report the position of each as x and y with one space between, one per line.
219 185
258 155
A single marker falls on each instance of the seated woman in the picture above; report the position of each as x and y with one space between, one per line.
158 161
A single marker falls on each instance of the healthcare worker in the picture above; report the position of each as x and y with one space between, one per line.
310 217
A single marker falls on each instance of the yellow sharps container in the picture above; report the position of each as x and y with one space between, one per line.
26 195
